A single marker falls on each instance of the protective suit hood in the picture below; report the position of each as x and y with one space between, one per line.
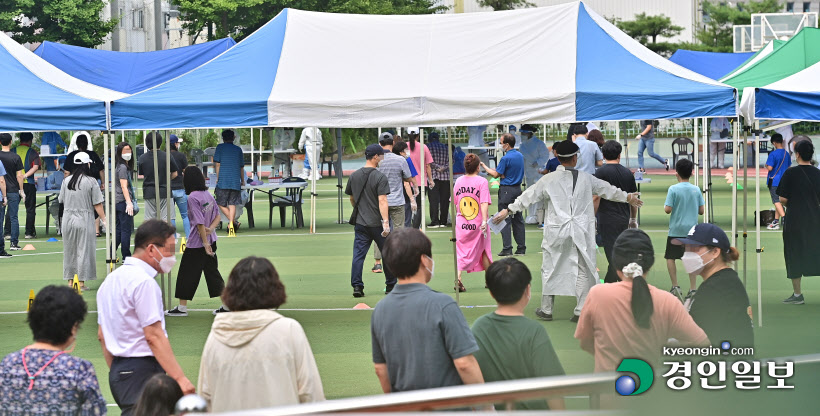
235 329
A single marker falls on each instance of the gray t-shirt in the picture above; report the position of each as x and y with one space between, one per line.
418 333
396 169
366 192
651 134
123 173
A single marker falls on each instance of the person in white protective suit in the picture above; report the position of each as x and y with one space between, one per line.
720 128
313 149
569 255
536 155
476 139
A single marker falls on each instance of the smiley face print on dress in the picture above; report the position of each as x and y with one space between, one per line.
469 208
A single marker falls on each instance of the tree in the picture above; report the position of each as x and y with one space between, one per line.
75 22
505 4
645 28
716 34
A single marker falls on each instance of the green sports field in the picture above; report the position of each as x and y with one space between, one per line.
316 273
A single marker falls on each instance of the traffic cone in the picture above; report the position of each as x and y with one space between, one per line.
182 245
75 284
52 240
30 299
361 306
28 247
231 231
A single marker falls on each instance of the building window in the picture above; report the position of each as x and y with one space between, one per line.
806 6
138 19
790 7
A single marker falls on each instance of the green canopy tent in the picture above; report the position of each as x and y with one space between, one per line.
770 47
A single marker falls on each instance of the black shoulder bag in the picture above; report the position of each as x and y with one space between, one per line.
770 181
355 213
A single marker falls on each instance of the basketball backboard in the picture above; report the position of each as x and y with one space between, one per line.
769 26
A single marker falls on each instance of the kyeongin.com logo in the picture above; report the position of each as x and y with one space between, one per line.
628 386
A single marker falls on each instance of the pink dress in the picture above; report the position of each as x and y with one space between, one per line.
415 156
470 192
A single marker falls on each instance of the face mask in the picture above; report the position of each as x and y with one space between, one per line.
126 156
432 268
693 262
166 264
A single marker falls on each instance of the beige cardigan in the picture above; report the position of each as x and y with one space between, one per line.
255 359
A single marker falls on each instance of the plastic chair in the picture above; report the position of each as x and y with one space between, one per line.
199 157
330 159
293 199
681 148
492 158
209 152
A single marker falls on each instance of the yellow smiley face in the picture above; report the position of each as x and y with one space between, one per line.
468 207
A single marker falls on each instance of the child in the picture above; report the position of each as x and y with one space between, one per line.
777 163
684 202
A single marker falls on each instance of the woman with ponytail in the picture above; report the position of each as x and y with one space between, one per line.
721 305
631 318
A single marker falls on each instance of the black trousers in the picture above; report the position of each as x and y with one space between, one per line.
127 379
439 198
515 223
194 263
124 228
364 237
609 231
417 218
31 202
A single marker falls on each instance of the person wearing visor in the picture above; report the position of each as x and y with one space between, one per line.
535 155
720 306
81 197
569 252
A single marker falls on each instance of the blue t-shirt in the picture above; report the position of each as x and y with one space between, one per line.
685 200
553 164
458 161
778 159
231 161
512 167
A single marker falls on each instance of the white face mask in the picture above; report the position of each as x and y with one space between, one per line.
166 264
693 262
126 156
432 268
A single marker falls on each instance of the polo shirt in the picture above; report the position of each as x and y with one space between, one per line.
588 154
418 332
512 167
396 169
231 161
129 300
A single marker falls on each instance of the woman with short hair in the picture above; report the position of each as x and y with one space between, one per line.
81 197
472 199
799 192
43 378
255 341
631 318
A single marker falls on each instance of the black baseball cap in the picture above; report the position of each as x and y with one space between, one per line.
567 148
707 235
373 150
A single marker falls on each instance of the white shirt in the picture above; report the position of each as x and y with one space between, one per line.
588 154
129 300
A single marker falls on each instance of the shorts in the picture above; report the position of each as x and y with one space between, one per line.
673 251
225 197
773 192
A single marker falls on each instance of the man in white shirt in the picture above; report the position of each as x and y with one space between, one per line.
589 156
131 319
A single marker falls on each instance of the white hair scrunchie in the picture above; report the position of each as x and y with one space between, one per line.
632 270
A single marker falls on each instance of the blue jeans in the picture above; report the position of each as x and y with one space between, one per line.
12 206
125 225
181 200
364 237
648 144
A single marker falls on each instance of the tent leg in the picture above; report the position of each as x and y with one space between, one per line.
170 204
421 181
339 175
745 206
736 145
453 211
313 174
107 199
759 249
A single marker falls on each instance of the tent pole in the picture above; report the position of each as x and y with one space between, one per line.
339 175
707 176
157 212
169 203
423 191
313 174
452 210
758 248
259 165
114 182
697 154
745 206
735 146
107 199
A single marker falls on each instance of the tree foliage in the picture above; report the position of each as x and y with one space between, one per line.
74 22
647 29
239 18
505 4
716 34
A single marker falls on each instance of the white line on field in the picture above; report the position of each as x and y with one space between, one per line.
288 309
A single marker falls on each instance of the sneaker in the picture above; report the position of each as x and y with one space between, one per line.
520 252
220 310
388 288
8 237
433 225
377 268
29 236
505 253
775 225
677 292
543 315
794 300
574 319
689 296
666 163
176 312
460 288
15 247
4 254
358 292
541 226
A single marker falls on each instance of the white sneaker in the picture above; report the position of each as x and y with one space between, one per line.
775 225
176 312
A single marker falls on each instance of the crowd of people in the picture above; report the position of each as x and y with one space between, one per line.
587 193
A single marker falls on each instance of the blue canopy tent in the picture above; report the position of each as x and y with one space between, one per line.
130 72
36 96
709 64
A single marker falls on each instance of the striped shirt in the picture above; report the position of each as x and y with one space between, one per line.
396 169
231 161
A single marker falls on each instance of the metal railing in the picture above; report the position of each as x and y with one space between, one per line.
508 392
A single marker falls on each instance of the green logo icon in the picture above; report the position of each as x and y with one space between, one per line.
628 386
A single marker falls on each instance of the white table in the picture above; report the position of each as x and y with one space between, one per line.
268 188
